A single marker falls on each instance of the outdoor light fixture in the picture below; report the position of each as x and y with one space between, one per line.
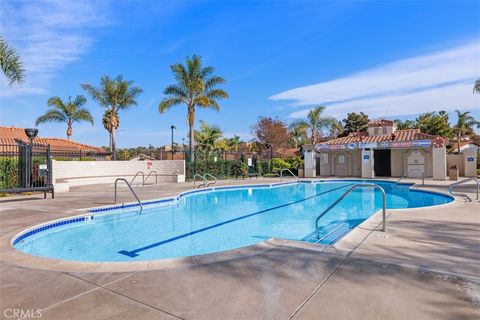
172 127
31 133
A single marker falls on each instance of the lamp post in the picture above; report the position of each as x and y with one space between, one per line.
172 127
270 146
31 133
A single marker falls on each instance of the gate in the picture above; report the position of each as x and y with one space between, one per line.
25 167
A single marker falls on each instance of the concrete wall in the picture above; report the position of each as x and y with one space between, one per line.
470 162
456 159
71 173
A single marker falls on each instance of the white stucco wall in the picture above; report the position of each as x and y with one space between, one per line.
70 173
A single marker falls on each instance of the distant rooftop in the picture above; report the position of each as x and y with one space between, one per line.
11 136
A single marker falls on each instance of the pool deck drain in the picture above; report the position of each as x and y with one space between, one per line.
424 267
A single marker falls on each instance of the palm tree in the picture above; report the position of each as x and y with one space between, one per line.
298 130
114 95
464 125
67 112
207 136
317 122
336 128
10 63
110 122
196 87
476 87
234 143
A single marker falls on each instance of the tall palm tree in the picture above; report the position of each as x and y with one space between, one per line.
110 122
114 95
10 63
196 86
464 125
476 87
67 112
298 130
336 128
207 136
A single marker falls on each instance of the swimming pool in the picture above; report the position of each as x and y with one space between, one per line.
216 219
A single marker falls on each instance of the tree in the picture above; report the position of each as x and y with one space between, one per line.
196 87
464 126
336 129
434 123
272 131
355 122
68 112
298 130
407 124
476 86
234 142
114 95
10 63
207 136
110 122
316 122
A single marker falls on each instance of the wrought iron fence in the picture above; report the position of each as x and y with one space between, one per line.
235 164
25 167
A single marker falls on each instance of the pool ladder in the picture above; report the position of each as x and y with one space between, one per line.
450 188
413 170
288 170
144 179
206 182
356 186
133 192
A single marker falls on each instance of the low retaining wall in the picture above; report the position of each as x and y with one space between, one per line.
73 173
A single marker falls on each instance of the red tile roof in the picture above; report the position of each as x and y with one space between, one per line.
381 123
10 135
399 135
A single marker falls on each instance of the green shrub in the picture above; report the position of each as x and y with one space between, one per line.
9 173
278 164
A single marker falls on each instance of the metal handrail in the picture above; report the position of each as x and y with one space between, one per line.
358 185
205 181
411 170
136 175
281 173
148 176
133 192
210 175
450 187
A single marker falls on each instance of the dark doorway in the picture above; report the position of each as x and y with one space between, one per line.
382 163
317 166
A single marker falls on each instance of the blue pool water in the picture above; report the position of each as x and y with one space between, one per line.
218 220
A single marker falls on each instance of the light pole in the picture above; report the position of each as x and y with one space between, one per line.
172 127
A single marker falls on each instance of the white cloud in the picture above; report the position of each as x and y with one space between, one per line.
48 36
440 80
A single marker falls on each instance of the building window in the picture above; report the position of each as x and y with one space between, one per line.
384 130
375 131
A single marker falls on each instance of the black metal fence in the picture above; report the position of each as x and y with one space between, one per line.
25 167
236 164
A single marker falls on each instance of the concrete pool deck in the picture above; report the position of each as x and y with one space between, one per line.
426 266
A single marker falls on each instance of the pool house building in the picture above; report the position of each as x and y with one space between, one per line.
382 151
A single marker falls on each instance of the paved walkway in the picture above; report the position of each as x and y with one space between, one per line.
425 267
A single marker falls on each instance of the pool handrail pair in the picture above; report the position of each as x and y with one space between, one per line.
450 187
286 169
412 170
205 180
143 177
131 189
355 186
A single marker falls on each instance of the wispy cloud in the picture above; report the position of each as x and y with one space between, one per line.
48 35
440 80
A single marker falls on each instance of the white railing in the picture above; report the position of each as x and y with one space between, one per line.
450 188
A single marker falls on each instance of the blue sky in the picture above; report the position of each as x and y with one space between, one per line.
387 59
